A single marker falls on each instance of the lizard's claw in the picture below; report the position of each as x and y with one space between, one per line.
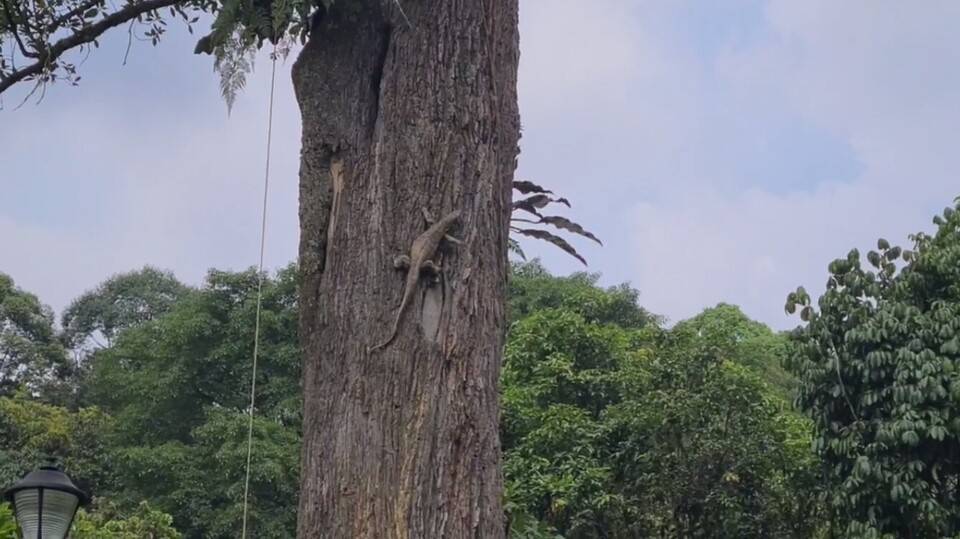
430 267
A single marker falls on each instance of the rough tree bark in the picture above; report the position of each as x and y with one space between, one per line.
403 442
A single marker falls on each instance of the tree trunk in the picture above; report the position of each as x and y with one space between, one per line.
403 441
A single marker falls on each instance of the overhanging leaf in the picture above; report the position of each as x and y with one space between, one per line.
566 224
556 240
540 201
527 187
527 207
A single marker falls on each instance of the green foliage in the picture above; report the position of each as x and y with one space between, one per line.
730 334
159 378
32 433
8 525
559 376
878 367
143 523
121 302
31 355
707 449
178 387
533 289
200 481
613 427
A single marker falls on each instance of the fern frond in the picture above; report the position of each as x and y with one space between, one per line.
233 61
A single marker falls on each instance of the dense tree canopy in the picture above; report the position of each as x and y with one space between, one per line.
178 388
878 367
610 421
121 302
31 354
616 427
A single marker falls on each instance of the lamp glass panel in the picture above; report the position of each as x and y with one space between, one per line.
27 505
58 510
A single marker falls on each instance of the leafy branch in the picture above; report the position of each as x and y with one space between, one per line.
538 199
34 38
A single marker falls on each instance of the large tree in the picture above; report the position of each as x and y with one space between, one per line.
32 358
406 105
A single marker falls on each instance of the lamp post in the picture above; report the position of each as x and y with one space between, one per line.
45 502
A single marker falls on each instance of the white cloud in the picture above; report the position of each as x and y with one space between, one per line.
670 157
875 77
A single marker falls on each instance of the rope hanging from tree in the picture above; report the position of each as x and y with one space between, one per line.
256 330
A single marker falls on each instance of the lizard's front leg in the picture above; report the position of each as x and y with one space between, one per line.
430 220
427 216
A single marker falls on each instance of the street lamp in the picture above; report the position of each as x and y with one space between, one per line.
45 502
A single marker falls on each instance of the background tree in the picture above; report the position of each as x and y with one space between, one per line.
706 448
532 288
560 376
878 366
33 433
616 427
730 334
177 386
122 301
31 355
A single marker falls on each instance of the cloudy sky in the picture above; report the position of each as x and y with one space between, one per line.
725 151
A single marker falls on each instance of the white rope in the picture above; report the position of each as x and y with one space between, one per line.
256 329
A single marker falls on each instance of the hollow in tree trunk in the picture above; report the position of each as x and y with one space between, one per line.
402 442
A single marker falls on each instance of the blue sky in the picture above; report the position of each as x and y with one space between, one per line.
725 151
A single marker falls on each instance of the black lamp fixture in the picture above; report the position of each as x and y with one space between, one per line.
45 502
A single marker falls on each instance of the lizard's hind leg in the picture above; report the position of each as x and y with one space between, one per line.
432 269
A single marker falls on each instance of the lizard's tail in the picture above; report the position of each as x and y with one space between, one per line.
393 335
379 346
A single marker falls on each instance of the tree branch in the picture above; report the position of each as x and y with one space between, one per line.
79 10
82 36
